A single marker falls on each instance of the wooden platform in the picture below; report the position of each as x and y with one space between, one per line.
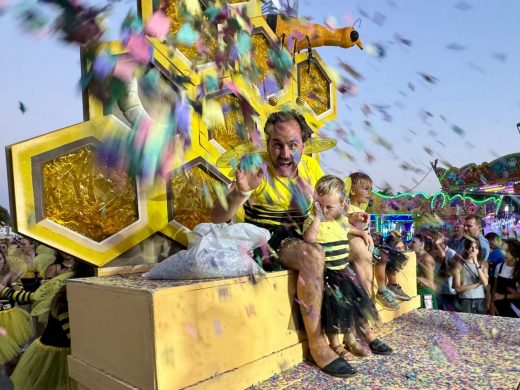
433 350
131 333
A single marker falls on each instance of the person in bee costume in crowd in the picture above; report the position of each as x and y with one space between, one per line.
44 363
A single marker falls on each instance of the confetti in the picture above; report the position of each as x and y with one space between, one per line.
457 130
350 70
158 25
463 6
403 41
22 107
429 78
456 47
187 35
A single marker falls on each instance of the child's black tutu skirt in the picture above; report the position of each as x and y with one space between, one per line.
346 305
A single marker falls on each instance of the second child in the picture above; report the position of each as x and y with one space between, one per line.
346 308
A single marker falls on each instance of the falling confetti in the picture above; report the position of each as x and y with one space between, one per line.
456 47
378 18
399 39
502 57
350 70
463 6
22 107
457 130
429 78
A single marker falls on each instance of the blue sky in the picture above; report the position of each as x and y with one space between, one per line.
478 87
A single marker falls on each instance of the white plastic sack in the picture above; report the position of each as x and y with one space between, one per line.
215 251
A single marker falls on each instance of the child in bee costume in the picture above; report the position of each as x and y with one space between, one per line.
44 363
347 307
16 322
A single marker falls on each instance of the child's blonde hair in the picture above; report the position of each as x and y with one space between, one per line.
331 185
360 178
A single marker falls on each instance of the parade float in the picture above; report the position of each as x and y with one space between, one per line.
408 212
67 192
489 190
500 179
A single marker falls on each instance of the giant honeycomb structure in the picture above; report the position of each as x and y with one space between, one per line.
62 196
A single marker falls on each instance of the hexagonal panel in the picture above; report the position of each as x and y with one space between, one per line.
81 194
261 46
171 8
314 86
234 132
63 197
192 191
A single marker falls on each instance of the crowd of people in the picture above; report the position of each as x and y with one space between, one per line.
468 272
319 228
34 331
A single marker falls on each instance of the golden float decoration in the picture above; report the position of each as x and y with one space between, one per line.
89 225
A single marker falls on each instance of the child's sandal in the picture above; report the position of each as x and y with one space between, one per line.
380 348
358 349
341 351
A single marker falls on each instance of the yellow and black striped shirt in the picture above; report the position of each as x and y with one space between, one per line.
333 237
282 201
21 297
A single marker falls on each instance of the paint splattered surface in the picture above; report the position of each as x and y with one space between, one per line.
433 350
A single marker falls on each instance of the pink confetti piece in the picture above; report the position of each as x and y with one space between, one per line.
125 68
191 330
217 325
158 25
223 293
250 310
139 48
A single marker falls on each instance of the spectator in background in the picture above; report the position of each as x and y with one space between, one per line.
506 292
505 232
473 227
425 271
395 264
456 242
63 263
496 256
444 257
470 278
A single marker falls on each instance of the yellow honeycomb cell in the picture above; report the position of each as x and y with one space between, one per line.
314 86
234 132
88 197
208 32
192 192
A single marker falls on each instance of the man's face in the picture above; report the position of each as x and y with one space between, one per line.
458 229
285 148
471 227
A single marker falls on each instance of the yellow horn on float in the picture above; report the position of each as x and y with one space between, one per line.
314 34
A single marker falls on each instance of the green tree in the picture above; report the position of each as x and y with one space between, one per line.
5 218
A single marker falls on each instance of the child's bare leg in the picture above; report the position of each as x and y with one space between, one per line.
333 338
380 272
391 277
354 346
361 258
336 345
